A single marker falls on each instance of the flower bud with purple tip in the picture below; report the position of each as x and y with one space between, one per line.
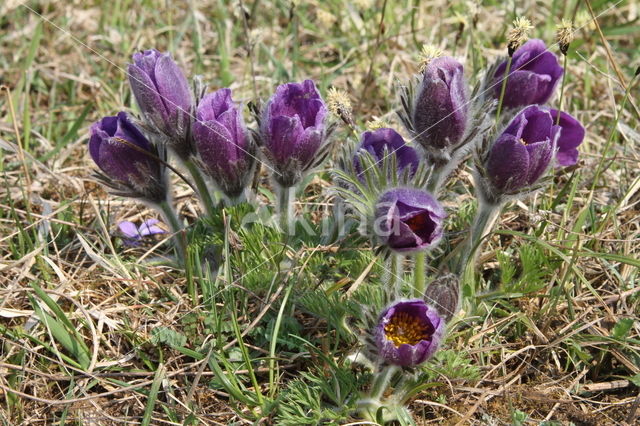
522 153
225 149
571 136
384 142
409 219
129 162
535 73
441 109
293 131
163 95
408 333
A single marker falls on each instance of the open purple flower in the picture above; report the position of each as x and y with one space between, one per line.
133 234
383 142
409 219
127 159
441 109
163 95
293 130
571 136
535 73
523 151
222 142
408 333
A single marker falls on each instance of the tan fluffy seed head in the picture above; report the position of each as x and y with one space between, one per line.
339 104
564 35
429 53
376 124
518 34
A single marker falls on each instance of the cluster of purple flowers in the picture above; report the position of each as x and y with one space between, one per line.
444 126
209 130
291 135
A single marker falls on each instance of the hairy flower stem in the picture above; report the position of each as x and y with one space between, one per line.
179 236
286 195
483 222
203 191
381 381
564 78
395 272
504 88
419 275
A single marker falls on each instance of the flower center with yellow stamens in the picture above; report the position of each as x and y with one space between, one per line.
404 328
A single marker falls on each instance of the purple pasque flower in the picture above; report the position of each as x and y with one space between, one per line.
409 219
128 161
293 129
571 136
523 151
133 234
226 151
163 95
383 142
408 333
535 73
441 107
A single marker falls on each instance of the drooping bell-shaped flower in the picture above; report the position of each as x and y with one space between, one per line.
128 161
535 73
571 136
163 95
226 151
408 219
385 142
441 107
408 333
293 131
523 152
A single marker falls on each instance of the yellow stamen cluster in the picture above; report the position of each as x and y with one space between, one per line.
564 35
429 53
518 34
406 329
376 124
339 104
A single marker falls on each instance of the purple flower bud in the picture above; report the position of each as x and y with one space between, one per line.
383 142
222 142
293 130
523 151
535 73
408 333
126 157
443 294
163 95
441 110
571 136
409 219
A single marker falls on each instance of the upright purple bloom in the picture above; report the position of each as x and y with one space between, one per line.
293 129
222 142
408 333
571 136
383 142
441 108
409 219
523 151
127 159
163 95
535 73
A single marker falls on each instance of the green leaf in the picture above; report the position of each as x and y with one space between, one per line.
622 327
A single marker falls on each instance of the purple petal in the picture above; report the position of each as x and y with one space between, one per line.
172 86
129 229
508 163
